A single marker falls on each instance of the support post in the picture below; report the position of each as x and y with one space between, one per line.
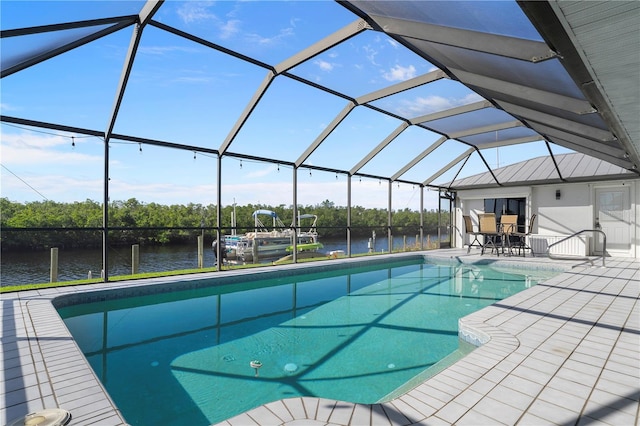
53 273
349 215
200 251
105 216
254 251
219 258
421 217
135 258
295 216
389 222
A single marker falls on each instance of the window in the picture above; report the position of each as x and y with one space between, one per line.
501 206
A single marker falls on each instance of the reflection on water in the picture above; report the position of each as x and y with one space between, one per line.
33 267
331 334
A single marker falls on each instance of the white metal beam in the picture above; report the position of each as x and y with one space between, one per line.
612 154
401 128
580 140
326 132
266 82
326 43
419 158
508 142
448 166
559 122
577 106
401 87
485 129
451 112
511 47
148 10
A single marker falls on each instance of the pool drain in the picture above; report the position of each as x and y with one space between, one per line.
290 367
49 417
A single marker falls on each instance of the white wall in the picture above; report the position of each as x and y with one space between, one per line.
573 212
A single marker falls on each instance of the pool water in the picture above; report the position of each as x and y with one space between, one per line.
362 335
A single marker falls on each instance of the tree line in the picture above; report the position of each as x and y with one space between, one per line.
41 224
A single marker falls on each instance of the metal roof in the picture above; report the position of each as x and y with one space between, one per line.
561 73
566 168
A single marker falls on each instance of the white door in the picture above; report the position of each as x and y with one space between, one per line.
613 217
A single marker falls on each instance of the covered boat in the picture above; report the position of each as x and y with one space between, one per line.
276 242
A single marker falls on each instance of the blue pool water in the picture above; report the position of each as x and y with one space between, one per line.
362 334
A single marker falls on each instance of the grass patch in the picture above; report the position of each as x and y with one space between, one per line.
116 278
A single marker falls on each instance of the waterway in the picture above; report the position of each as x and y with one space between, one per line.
34 267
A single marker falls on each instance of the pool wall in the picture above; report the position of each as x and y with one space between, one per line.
190 282
477 333
50 370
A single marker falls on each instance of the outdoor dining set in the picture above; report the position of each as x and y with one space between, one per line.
504 237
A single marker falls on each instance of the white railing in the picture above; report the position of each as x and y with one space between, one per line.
568 245
604 244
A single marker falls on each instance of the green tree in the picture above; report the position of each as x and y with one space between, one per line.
137 221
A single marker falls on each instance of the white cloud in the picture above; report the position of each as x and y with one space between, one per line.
262 172
365 193
37 163
371 54
195 11
4 107
294 22
192 80
266 41
64 188
323 65
425 105
162 192
192 12
34 149
162 50
229 29
61 188
45 164
400 73
470 98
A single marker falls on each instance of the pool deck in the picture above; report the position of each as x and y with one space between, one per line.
564 352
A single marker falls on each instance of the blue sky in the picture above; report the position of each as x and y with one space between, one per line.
182 92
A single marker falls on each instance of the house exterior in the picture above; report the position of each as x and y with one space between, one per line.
592 194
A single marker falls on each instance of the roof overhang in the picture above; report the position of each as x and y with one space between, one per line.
603 122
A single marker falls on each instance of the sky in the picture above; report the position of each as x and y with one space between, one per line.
182 92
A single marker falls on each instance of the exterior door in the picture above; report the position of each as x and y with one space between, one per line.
445 219
613 217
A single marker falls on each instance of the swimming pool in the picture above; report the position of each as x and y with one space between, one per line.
361 334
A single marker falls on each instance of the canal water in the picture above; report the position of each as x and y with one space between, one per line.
33 267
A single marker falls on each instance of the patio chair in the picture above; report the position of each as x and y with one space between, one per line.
468 228
508 225
489 230
521 243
